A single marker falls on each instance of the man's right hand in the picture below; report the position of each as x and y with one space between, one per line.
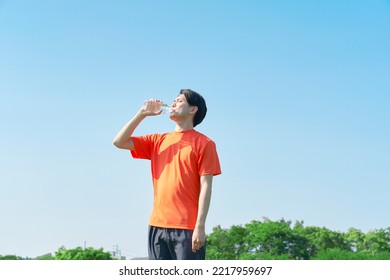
151 107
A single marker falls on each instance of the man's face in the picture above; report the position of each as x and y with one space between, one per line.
181 108
180 104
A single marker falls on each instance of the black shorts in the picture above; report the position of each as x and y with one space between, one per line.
172 244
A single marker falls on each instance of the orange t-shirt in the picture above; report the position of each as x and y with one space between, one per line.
178 159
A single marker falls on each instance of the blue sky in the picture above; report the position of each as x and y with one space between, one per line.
298 95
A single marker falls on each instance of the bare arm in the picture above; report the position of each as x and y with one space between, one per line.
123 139
199 235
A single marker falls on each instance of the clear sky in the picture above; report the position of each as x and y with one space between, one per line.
299 106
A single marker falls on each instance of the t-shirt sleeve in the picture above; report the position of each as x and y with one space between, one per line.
142 147
209 161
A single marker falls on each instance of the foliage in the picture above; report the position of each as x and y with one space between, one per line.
320 238
78 253
279 240
46 257
10 257
275 239
338 254
224 244
82 254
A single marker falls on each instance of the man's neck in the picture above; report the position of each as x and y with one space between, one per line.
183 126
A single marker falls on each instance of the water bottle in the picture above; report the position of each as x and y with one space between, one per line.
154 106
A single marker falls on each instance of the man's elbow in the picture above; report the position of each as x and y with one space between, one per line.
128 145
116 143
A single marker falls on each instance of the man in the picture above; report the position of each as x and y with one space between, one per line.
183 164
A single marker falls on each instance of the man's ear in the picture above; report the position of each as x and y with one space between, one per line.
194 110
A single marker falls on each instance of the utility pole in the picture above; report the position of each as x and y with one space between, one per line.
117 252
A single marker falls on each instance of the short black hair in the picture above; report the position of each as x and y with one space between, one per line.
195 99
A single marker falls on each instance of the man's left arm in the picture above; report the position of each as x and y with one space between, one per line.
199 235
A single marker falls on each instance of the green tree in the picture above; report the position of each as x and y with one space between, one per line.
275 239
338 254
82 254
46 257
226 244
10 257
321 238
256 240
377 241
278 240
355 237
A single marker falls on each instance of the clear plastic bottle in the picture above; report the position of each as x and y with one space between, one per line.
155 106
